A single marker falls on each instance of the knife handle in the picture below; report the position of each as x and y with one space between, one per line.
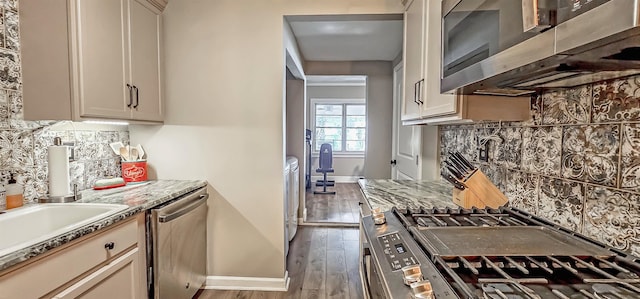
447 176
455 172
463 160
459 165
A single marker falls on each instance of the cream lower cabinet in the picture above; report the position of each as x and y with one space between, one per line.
423 102
94 59
111 281
106 264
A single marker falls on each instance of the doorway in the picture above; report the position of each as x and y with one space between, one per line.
337 115
336 50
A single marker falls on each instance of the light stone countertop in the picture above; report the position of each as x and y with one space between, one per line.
386 194
139 197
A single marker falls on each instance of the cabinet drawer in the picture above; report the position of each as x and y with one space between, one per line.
43 276
114 280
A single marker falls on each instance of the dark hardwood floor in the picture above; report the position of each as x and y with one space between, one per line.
339 208
322 263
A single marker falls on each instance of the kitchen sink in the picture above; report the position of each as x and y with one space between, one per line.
26 226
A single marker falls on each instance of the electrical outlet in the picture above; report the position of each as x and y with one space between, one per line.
483 151
72 152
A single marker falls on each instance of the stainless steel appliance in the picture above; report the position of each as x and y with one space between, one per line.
512 47
178 246
492 253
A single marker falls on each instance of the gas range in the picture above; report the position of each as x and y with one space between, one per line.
489 253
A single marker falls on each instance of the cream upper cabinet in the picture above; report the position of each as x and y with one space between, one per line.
145 62
413 54
95 59
432 106
101 52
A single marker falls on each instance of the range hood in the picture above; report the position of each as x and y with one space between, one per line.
600 44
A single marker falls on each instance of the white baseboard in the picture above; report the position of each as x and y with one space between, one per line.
248 283
337 178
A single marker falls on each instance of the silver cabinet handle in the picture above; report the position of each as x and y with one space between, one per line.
420 83
137 97
130 95
192 206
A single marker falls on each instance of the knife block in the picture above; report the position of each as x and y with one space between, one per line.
479 192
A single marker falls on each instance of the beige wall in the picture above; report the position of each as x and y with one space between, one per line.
336 92
430 153
343 166
379 108
225 119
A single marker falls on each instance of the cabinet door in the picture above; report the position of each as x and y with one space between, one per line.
118 279
145 61
435 103
413 55
101 54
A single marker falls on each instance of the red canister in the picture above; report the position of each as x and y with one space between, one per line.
134 171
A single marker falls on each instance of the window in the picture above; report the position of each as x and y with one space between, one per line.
343 125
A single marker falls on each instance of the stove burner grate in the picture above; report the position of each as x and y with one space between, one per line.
448 217
541 276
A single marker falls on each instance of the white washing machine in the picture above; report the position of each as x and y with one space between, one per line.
294 195
287 201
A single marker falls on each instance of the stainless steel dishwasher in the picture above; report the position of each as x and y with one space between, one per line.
177 243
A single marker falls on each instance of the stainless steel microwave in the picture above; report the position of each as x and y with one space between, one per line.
515 47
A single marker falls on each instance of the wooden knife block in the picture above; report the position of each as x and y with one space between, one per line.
480 192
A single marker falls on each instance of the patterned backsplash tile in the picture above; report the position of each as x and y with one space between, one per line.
541 148
577 162
613 216
617 100
567 106
591 154
562 201
23 144
522 190
630 157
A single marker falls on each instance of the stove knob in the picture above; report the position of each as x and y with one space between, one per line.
422 289
379 218
411 274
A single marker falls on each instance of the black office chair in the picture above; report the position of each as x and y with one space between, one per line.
325 161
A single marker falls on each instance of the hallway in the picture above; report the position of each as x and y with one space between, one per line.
341 207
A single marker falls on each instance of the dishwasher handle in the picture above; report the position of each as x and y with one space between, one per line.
192 206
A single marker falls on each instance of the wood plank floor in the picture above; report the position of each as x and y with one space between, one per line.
322 263
341 207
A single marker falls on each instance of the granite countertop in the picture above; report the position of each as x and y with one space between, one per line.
138 197
386 194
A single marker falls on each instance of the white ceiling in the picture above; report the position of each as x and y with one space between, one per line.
348 40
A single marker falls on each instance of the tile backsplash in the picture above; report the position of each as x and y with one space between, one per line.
23 144
577 162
